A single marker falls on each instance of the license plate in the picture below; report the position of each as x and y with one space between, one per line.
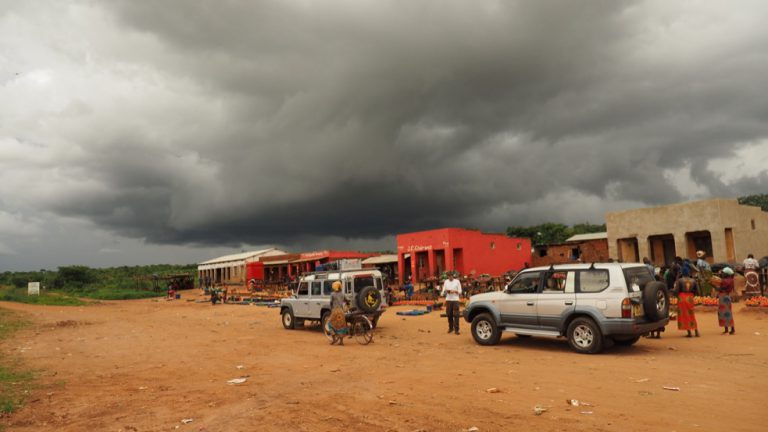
637 310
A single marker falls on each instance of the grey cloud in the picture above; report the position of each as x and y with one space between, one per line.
287 122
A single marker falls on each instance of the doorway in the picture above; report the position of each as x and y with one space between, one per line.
628 251
699 241
662 249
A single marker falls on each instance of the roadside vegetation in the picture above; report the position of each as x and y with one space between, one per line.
15 382
68 285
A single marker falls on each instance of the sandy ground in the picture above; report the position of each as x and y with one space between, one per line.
147 365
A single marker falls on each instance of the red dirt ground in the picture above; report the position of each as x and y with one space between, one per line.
145 365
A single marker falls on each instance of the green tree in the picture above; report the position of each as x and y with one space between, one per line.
552 233
760 200
74 277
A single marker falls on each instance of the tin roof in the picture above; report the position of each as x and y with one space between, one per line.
244 256
586 237
381 259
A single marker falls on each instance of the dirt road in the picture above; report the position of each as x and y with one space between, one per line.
147 365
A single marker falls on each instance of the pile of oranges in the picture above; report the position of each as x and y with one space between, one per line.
706 301
759 301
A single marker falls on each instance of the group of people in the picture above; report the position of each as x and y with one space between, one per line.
685 280
339 328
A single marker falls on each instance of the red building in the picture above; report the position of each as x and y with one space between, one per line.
425 254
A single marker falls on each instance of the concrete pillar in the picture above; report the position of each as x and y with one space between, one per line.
449 264
431 262
400 268
414 273
681 246
642 248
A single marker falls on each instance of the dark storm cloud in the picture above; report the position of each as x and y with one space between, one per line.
364 119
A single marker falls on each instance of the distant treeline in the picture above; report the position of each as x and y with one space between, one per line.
553 233
82 278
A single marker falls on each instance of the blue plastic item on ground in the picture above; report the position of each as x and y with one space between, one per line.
414 312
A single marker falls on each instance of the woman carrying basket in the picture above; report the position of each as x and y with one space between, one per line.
724 309
337 323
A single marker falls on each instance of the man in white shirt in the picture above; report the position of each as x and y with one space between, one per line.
452 293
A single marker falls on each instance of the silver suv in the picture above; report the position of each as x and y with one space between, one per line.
363 288
590 304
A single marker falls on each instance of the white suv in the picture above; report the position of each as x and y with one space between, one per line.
590 304
363 289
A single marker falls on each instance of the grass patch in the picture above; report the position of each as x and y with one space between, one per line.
15 383
74 298
118 294
52 298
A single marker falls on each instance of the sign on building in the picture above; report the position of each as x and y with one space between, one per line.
33 288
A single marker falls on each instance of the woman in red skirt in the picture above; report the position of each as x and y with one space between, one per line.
685 289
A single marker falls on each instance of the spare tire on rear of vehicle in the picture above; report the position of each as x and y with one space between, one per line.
656 301
368 299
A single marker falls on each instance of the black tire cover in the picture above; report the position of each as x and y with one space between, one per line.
650 291
368 299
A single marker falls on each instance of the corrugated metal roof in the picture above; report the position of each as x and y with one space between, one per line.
585 237
243 256
381 259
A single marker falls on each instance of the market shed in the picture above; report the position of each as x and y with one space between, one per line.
231 269
386 263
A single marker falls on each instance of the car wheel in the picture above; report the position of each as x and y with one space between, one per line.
626 341
368 299
289 321
656 301
585 336
484 330
325 325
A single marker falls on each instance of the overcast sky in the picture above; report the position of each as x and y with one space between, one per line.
137 132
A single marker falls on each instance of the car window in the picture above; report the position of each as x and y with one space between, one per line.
362 281
591 281
570 282
303 289
328 287
557 282
316 287
525 283
637 277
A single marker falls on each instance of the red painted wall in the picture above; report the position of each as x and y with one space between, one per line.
494 254
254 270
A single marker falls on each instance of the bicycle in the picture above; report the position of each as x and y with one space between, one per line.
358 325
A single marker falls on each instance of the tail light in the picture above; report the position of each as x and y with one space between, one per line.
626 308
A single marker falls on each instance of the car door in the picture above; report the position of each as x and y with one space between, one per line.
557 297
315 303
301 305
518 305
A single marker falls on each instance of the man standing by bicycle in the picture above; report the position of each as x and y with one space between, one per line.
452 293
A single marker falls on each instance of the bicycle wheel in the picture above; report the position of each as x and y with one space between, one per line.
363 331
